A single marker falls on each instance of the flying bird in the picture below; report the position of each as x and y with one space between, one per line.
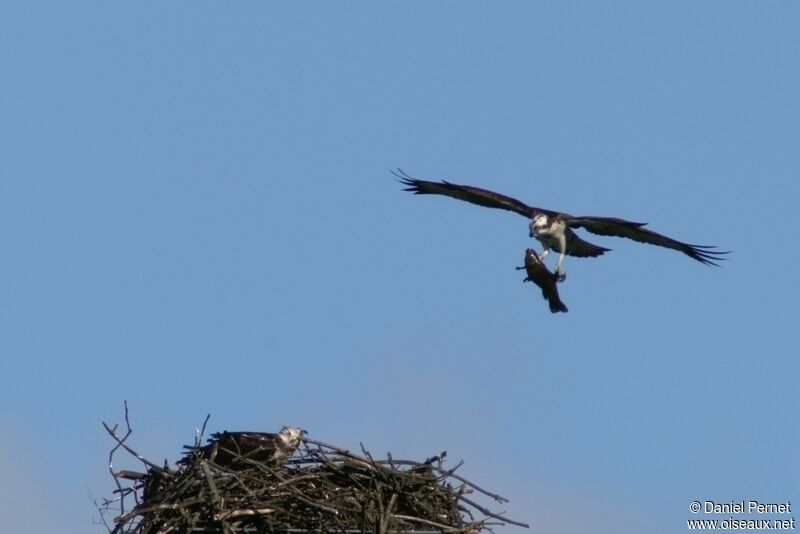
555 230
234 449
546 280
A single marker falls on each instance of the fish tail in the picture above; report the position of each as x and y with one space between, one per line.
556 305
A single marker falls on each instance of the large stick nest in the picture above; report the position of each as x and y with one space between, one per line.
320 488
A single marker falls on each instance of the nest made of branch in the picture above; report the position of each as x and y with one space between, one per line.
321 488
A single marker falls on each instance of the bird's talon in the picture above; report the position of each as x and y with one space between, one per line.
560 275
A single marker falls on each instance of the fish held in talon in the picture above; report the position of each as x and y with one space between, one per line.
539 274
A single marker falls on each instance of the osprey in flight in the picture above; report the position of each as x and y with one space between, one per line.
555 230
233 449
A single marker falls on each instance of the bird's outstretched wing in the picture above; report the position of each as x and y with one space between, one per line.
614 226
475 195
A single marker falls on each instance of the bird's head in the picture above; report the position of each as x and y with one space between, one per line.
539 225
532 228
291 435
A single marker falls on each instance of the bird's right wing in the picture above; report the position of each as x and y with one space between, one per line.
475 195
615 226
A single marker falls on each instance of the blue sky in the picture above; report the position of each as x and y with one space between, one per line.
197 216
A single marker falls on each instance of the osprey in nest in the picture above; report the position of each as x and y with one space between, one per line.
234 449
555 230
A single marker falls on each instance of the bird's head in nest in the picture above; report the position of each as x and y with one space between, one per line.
291 436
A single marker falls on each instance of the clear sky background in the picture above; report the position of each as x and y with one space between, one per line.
197 216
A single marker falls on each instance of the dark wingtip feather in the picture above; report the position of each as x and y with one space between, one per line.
705 255
412 183
401 175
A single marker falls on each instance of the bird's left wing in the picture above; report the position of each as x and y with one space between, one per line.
475 195
614 226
